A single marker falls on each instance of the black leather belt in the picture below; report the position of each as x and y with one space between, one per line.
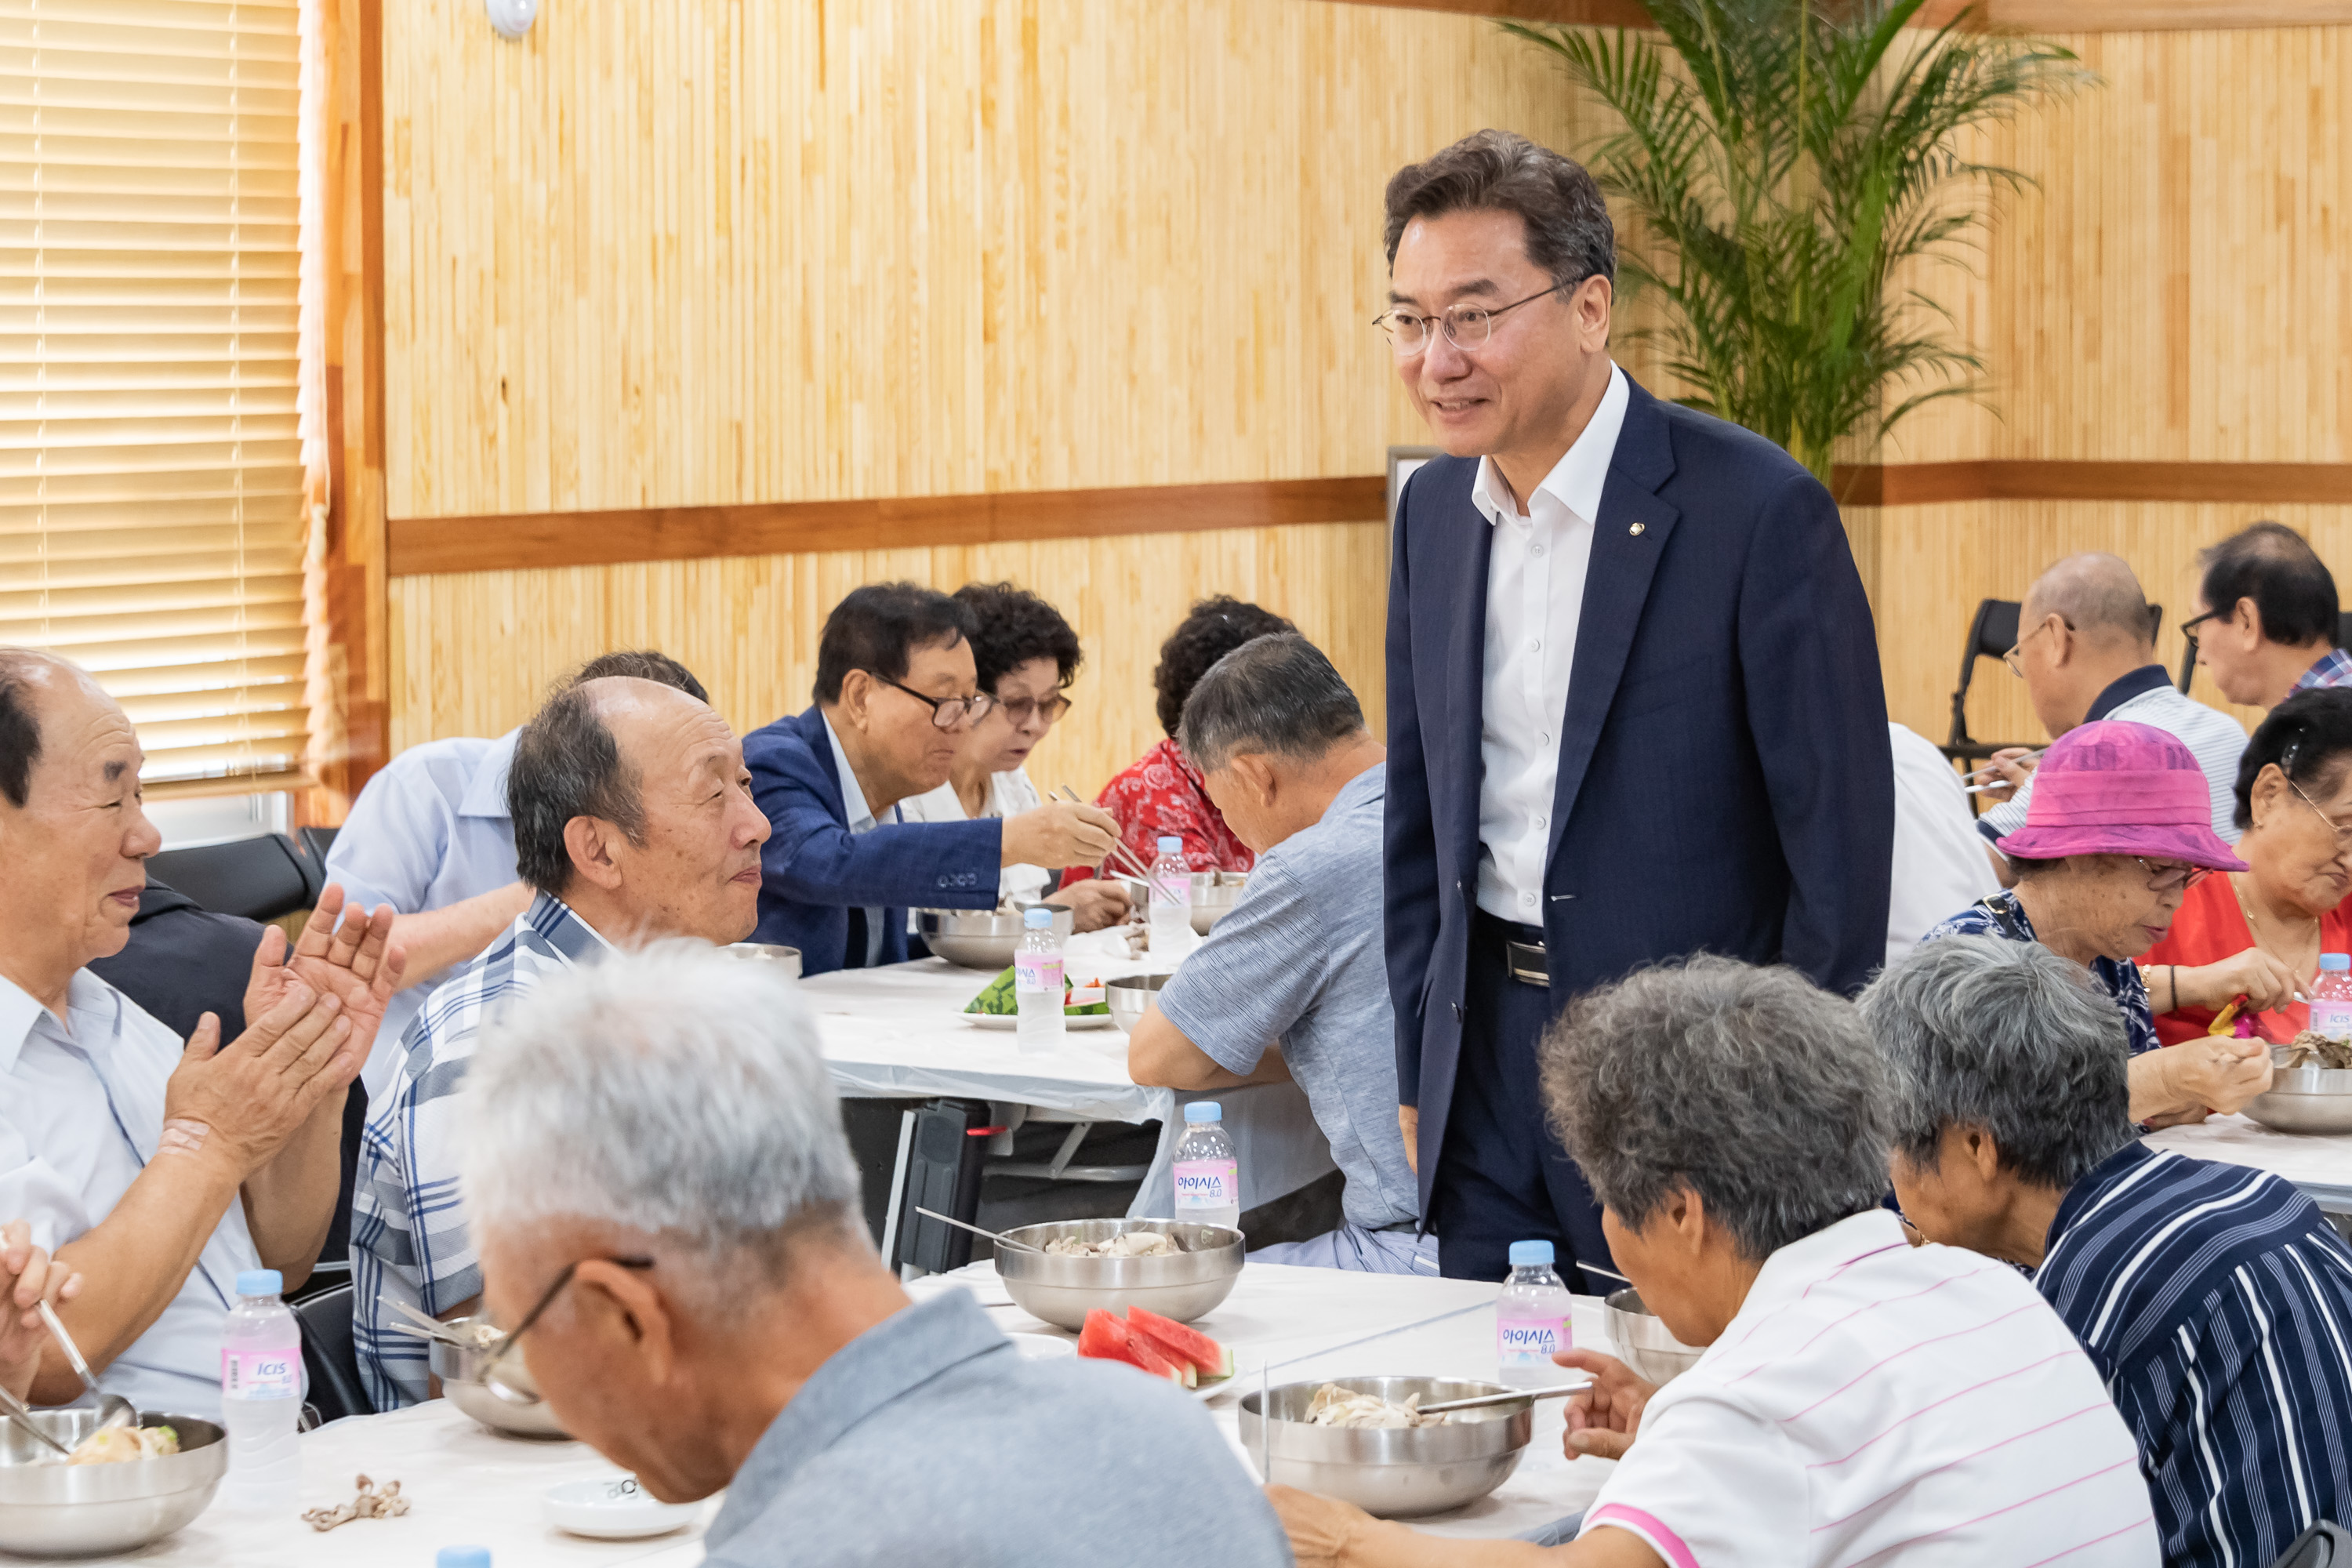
1522 948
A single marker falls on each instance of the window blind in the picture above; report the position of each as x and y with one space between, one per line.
152 503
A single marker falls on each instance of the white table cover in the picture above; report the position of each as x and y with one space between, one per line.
898 1032
2321 1166
470 1486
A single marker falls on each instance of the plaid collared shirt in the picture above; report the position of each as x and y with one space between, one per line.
409 1240
2334 669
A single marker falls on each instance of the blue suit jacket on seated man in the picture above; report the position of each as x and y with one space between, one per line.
819 878
1725 783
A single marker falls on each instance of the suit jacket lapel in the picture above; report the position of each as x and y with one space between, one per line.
1465 661
1628 538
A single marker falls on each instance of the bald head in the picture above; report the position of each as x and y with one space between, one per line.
2097 596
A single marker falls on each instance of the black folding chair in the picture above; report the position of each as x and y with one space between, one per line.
331 1355
316 842
1991 634
259 877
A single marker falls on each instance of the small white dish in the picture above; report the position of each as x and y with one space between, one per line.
1044 1347
615 1509
1008 1022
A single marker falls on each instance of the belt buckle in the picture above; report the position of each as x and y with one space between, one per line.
1529 962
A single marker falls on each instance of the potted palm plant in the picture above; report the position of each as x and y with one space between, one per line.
1783 159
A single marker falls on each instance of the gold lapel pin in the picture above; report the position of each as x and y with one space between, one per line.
1637 528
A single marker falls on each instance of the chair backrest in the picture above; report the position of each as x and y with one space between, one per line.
331 1354
259 877
1992 633
316 842
2324 1545
2344 628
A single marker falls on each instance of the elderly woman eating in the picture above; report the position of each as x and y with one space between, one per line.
2253 937
1861 1400
2116 836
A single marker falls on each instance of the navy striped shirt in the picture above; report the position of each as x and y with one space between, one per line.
2217 1302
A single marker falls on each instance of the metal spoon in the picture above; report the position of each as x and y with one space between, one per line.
1559 1391
14 1410
113 1410
1000 1240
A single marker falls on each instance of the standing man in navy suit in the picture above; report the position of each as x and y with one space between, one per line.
1635 709
896 693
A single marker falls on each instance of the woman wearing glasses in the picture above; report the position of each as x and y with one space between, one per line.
1024 656
2257 934
2117 833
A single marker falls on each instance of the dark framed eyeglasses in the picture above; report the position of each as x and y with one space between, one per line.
947 712
2188 627
1019 708
2165 877
1466 327
489 1372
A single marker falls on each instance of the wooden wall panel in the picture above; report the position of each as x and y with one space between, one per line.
475 652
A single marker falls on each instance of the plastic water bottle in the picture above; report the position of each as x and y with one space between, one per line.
1531 1320
261 1396
1208 1175
1171 902
1037 983
2331 997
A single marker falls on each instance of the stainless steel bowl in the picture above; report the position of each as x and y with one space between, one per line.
1182 1285
1399 1472
461 1372
50 1508
1215 894
978 939
2305 1099
1642 1342
1132 997
785 959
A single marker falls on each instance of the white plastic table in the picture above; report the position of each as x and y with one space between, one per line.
470 1486
898 1033
2321 1166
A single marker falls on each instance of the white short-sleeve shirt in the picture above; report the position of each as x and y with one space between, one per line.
80 1112
1875 1403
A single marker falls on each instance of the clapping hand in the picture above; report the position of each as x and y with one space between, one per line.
1602 1420
28 1275
354 960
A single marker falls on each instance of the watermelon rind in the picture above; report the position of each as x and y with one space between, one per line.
1210 1358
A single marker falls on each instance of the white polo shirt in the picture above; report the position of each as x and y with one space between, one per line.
80 1110
1875 1403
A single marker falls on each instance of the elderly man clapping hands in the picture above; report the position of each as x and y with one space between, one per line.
159 1171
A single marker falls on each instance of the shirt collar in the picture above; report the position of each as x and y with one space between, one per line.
1576 480
485 791
895 1356
2148 678
20 1014
2084 1194
1791 1270
853 793
1369 785
2330 669
560 927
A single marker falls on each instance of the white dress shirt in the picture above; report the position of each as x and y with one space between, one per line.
1940 864
1535 598
1009 795
430 830
80 1110
860 812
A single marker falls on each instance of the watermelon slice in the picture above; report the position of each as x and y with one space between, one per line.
1177 1343
1105 1337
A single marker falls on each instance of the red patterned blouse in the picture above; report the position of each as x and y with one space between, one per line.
1161 792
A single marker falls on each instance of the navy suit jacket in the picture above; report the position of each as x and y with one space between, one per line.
813 871
1725 782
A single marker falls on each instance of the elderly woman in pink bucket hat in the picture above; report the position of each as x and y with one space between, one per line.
2118 829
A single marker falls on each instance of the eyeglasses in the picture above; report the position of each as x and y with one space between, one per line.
1019 708
947 712
487 1374
2166 877
2009 659
2343 834
1468 327
2188 627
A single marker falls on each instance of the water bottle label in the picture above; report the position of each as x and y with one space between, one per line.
1208 1185
262 1374
1530 1342
1172 887
2333 1019
1037 971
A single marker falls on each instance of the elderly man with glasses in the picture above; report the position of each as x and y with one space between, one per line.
2215 1301
896 693
2115 838
700 1303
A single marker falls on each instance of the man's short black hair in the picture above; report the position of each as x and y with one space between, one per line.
2274 566
567 764
1209 630
1015 626
879 627
20 728
642 664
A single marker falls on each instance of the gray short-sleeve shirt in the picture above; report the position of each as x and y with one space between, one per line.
1300 960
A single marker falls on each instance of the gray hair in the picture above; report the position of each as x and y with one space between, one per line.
1749 1087
567 764
1568 234
1275 694
2006 1036
671 1091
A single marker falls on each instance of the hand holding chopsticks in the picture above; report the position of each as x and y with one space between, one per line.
1119 855
1994 766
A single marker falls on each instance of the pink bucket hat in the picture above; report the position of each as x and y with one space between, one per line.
2115 788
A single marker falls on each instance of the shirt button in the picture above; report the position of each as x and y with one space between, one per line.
1543 737
1538 550
1527 898
1535 645
1540 822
